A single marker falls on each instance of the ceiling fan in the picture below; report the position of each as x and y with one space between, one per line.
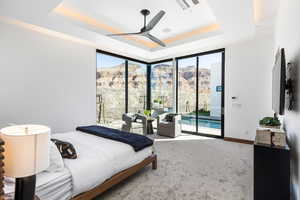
145 31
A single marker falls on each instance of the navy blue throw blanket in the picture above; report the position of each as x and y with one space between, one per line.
138 142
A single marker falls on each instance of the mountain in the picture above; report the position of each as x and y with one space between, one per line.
111 84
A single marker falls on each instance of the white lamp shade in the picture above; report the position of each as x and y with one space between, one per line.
26 149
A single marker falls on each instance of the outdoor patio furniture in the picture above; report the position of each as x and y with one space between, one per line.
155 114
169 125
150 126
134 123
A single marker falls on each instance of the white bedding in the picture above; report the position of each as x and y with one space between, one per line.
55 185
98 159
49 186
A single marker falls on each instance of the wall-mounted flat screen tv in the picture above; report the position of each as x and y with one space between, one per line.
279 83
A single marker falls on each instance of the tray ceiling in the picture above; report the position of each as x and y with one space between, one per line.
113 16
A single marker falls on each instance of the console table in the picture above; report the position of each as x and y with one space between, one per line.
271 172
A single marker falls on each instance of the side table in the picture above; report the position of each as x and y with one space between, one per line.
150 126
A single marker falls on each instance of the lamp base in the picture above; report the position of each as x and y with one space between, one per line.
25 188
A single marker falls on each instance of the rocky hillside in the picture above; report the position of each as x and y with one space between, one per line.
111 84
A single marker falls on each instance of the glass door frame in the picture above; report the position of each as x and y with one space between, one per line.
197 55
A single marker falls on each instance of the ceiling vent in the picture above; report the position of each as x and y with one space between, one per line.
195 2
184 4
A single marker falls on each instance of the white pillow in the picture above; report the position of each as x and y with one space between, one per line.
56 160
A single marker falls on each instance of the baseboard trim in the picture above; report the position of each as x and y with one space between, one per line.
242 141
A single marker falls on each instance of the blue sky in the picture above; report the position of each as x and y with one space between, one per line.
204 61
105 61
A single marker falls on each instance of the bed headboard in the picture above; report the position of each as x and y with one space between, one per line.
1 169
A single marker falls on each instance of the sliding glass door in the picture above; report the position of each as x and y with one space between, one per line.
210 94
187 83
200 93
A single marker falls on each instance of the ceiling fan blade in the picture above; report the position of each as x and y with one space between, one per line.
124 34
155 20
154 39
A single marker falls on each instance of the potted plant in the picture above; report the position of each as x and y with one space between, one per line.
270 122
156 103
160 103
148 113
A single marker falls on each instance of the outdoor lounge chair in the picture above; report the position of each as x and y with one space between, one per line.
169 125
134 123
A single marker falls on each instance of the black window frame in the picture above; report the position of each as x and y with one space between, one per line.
197 55
148 93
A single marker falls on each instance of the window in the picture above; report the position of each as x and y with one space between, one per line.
194 90
162 86
121 88
110 88
137 87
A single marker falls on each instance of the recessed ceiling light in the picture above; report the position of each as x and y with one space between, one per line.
166 30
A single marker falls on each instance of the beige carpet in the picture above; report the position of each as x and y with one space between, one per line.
192 168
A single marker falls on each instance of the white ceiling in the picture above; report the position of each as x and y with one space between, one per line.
237 20
125 15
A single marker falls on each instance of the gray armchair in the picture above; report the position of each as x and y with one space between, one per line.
155 114
134 123
169 128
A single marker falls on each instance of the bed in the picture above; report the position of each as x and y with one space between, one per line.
49 186
101 164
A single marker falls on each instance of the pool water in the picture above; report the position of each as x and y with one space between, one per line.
201 122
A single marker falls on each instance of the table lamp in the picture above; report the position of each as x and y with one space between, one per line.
26 154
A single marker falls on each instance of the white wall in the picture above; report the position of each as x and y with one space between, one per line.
45 80
52 81
248 78
288 37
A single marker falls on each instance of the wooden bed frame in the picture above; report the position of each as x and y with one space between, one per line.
117 179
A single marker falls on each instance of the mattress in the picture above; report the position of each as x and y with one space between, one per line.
98 159
49 186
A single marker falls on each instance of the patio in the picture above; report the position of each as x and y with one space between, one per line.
117 124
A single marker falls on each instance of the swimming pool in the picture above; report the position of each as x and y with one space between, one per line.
191 120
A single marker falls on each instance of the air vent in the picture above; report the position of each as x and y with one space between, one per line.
184 4
195 2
